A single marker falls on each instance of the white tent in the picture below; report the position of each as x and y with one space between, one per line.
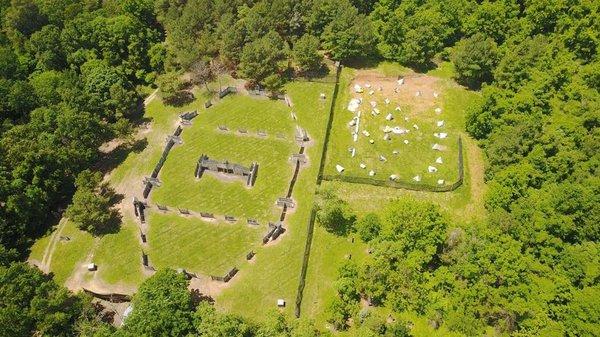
440 123
439 160
367 85
438 110
398 108
417 178
339 168
371 173
358 89
389 117
431 169
416 126
363 166
387 101
435 94
373 104
440 182
382 158
406 141
366 133
371 92
401 81
394 177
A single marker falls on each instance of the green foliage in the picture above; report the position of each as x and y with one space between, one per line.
32 304
348 35
306 54
333 213
260 58
368 227
161 307
170 85
91 206
475 59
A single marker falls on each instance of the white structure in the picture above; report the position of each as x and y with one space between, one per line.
438 110
431 169
394 177
92 267
440 123
435 94
416 126
353 105
373 104
439 160
322 96
437 147
371 92
366 133
363 166
387 101
401 81
358 89
389 117
441 182
339 168
406 141
398 130
417 178
371 173
281 303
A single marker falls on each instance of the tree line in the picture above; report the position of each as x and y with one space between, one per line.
71 77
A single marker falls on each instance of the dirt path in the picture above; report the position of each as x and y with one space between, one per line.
150 97
51 247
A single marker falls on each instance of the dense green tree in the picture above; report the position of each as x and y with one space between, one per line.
170 85
368 227
475 59
32 304
91 206
348 35
260 59
333 213
161 307
306 54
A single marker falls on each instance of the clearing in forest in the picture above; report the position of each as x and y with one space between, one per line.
396 129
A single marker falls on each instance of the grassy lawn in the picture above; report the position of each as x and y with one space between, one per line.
412 158
207 248
119 256
275 274
231 196
69 254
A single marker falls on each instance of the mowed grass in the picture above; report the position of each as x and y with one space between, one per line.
119 256
208 248
68 255
229 195
414 158
275 274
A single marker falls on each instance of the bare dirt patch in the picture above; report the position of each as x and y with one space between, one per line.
425 85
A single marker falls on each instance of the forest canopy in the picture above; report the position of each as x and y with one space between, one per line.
73 74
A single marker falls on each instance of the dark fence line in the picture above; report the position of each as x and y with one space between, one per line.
113 298
406 184
162 160
313 214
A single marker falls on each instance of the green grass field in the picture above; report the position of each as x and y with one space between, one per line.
413 158
212 248
230 196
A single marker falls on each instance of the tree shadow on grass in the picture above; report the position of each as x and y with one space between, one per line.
180 99
111 160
